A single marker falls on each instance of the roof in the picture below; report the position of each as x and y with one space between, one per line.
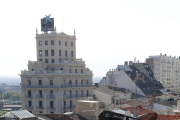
18 114
167 117
141 110
111 90
138 103
147 86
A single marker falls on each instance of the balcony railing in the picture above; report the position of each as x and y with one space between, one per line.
51 107
76 85
39 107
39 86
39 96
76 96
51 96
69 107
28 96
29 107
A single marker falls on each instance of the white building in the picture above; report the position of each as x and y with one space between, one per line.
166 71
112 96
54 82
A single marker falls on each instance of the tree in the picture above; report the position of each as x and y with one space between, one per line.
1 104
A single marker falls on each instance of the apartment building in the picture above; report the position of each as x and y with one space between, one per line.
54 82
166 71
132 75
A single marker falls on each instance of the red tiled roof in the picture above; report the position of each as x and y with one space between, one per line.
138 103
167 117
141 110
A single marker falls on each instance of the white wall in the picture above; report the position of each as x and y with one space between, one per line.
121 79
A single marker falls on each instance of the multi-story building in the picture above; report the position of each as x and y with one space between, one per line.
166 71
133 77
54 82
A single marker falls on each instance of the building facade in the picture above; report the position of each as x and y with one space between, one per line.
166 71
125 77
54 82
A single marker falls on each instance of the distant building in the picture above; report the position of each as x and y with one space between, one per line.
112 96
54 82
90 109
166 70
124 77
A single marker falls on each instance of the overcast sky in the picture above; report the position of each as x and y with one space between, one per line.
108 32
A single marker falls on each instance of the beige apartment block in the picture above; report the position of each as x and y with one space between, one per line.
166 71
54 82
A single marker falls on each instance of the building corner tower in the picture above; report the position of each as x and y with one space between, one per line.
54 82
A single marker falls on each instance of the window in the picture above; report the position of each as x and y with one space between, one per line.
59 42
71 44
46 42
76 93
52 60
87 93
51 104
66 53
71 53
70 92
52 52
64 103
59 52
116 102
66 43
64 92
70 104
75 70
51 82
76 82
46 60
81 92
40 59
40 53
61 68
70 82
40 82
29 93
46 52
40 43
69 70
51 94
30 103
81 70
40 93
52 42
29 82
40 104
87 82
81 81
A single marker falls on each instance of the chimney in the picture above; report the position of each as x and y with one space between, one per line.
165 54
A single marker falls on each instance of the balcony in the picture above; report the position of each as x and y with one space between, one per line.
76 96
51 96
39 86
76 85
40 96
39 107
29 96
51 107
29 107
69 107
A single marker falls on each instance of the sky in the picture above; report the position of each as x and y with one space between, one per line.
108 32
